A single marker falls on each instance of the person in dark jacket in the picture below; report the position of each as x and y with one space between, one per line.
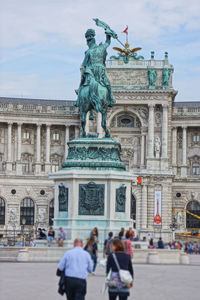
160 244
118 288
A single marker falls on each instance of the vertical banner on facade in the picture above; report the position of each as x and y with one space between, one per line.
158 208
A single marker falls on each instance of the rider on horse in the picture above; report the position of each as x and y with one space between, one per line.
94 70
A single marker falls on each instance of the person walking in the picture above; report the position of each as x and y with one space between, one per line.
107 249
118 288
95 233
121 234
128 247
92 249
76 264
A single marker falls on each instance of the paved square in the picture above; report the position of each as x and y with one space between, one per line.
37 281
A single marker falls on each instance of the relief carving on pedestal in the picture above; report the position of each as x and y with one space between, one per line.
63 198
120 204
91 199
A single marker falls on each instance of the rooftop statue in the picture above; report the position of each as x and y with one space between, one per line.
95 91
127 53
165 77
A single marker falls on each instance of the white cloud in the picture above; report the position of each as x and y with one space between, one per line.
31 21
29 28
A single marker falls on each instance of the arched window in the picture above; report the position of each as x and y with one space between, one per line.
133 209
27 209
51 212
192 221
2 211
125 121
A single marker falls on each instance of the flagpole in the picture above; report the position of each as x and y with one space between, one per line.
125 47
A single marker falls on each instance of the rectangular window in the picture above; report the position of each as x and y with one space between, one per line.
26 135
196 138
56 136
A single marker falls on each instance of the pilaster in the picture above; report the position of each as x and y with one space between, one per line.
9 148
38 150
48 144
164 157
184 153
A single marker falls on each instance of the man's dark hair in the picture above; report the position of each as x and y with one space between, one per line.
110 234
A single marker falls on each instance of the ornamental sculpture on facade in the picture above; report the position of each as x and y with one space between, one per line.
165 77
152 75
63 198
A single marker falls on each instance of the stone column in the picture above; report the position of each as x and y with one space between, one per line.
142 150
151 132
76 132
48 144
144 208
19 146
165 131
184 146
66 141
38 150
19 140
9 149
174 149
99 128
184 153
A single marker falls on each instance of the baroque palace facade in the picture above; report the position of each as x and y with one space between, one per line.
160 141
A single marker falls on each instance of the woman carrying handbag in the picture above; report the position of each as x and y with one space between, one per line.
121 276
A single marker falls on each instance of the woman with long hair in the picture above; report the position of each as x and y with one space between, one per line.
95 233
117 288
92 249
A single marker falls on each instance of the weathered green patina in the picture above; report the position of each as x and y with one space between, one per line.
120 205
95 91
127 58
152 75
102 153
94 153
63 198
91 199
165 77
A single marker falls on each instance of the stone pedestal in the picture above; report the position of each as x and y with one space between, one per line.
93 189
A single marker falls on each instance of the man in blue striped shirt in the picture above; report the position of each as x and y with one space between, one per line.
76 264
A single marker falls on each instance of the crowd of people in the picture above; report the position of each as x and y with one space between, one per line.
74 267
41 234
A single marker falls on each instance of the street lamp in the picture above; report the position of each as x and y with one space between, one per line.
23 223
173 226
14 228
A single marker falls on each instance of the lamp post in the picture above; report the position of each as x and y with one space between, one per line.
14 228
23 223
173 226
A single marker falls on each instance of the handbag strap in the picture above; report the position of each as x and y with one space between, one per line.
116 261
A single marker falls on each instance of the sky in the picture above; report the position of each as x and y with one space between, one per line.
42 42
